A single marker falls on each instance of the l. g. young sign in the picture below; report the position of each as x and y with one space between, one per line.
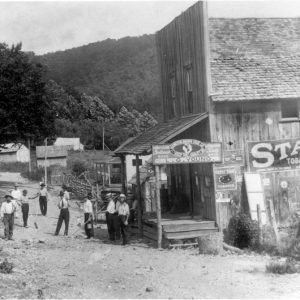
274 155
186 151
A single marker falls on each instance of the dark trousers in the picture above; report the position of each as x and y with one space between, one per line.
88 227
8 220
63 216
25 211
123 228
43 205
113 226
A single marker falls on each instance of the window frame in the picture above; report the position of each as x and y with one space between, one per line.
286 119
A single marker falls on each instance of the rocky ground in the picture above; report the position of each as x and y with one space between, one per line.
47 266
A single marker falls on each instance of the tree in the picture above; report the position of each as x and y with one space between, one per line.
25 111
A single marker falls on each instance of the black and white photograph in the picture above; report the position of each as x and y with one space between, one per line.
150 149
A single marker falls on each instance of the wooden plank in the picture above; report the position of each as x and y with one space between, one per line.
150 235
189 227
187 234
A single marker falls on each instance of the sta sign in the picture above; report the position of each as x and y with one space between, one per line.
274 155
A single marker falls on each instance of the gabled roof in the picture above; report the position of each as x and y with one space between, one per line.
11 147
255 59
159 134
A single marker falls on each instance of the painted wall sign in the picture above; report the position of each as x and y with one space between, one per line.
186 151
225 179
274 155
233 157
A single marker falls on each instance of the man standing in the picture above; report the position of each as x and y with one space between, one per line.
123 213
88 216
43 198
64 214
112 221
7 216
25 207
16 195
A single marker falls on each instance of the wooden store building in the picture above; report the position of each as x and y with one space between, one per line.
232 84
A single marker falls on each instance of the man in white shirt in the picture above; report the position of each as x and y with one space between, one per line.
88 216
64 214
7 216
66 193
123 213
112 220
16 195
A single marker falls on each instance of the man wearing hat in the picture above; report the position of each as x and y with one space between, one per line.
64 215
123 213
7 216
112 220
43 198
88 216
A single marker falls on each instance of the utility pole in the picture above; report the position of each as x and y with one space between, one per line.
103 136
46 161
29 163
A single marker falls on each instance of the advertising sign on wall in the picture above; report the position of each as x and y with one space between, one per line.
274 155
225 179
186 151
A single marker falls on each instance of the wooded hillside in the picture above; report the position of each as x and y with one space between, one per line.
122 72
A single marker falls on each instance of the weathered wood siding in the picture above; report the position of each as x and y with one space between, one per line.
233 124
181 46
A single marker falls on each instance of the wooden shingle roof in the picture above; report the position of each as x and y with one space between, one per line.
159 134
255 59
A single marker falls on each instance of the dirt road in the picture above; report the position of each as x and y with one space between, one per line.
48 266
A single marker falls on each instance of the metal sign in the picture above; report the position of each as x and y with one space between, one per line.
186 151
225 179
274 155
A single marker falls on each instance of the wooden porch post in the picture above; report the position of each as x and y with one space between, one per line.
139 198
158 208
123 174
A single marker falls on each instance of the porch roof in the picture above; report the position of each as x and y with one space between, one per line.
158 134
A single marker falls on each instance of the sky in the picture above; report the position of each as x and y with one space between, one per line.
50 26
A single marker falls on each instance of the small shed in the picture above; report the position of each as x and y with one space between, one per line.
55 155
70 143
14 152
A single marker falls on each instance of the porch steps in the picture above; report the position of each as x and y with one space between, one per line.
175 230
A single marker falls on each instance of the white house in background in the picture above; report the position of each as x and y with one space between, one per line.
14 153
71 143
56 155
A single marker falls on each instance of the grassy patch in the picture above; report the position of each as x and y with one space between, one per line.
278 267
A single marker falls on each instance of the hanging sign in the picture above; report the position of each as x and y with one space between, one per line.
274 155
186 151
225 179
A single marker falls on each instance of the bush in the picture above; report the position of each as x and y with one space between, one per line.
78 167
243 232
278 267
35 174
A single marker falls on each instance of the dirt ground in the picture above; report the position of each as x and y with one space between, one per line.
47 266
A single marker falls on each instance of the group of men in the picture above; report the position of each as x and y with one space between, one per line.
10 208
117 212
117 215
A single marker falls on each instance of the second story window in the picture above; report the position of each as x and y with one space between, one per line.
289 110
189 87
